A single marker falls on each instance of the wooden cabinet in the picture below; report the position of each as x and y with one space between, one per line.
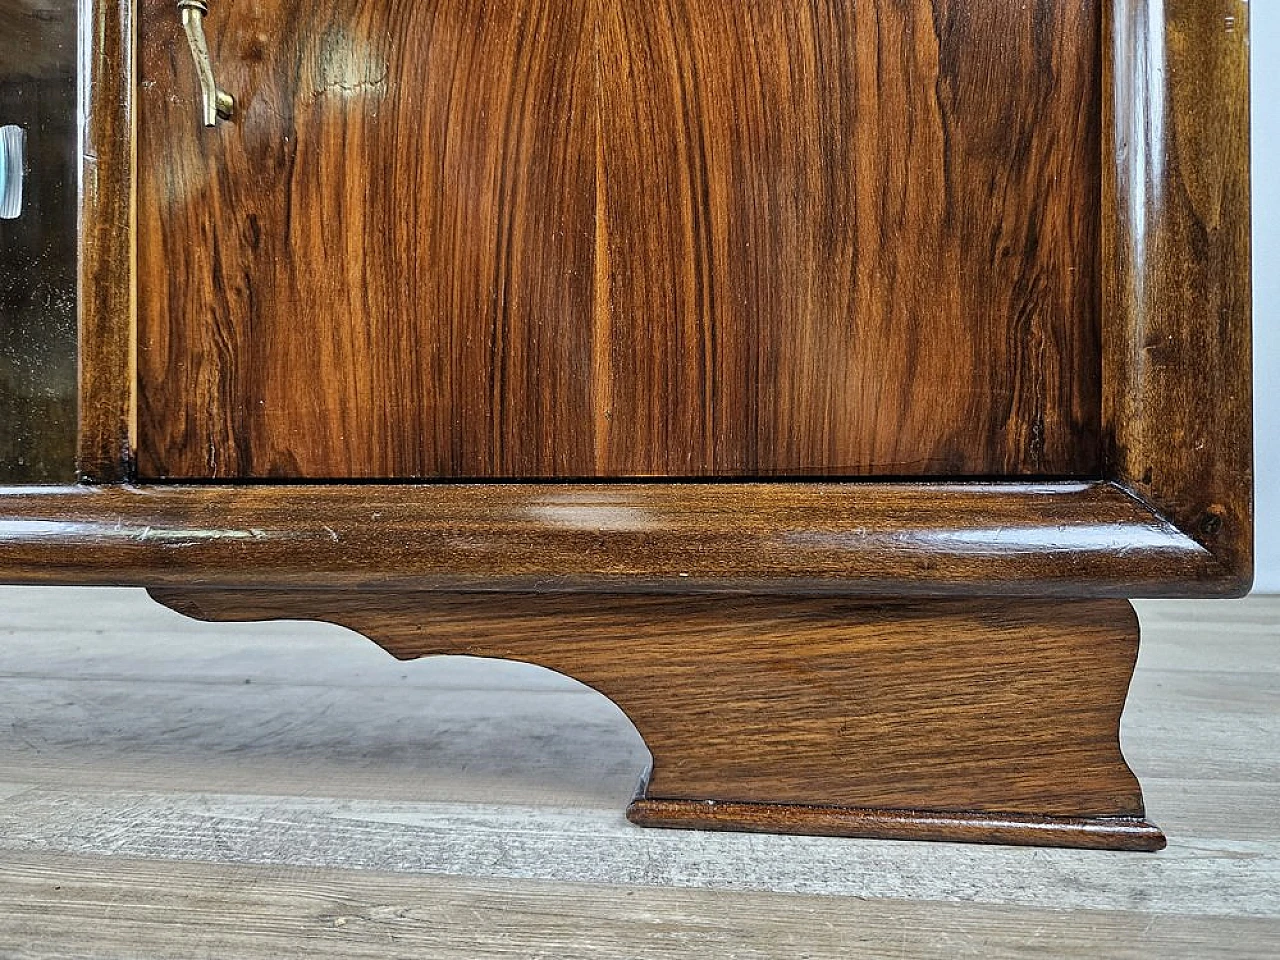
858 359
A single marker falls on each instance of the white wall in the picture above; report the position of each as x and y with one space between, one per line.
1265 16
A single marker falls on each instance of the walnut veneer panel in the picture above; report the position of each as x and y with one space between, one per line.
526 238
870 227
382 267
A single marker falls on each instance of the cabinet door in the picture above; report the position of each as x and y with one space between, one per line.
610 238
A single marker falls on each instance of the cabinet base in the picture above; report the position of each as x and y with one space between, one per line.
976 720
1099 833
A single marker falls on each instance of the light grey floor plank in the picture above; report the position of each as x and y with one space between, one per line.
404 741
115 909
1194 877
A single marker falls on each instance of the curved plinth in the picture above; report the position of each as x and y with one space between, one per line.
994 721
1098 833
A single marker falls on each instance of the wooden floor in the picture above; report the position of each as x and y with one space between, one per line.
170 789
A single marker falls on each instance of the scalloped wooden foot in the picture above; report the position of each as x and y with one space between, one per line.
970 720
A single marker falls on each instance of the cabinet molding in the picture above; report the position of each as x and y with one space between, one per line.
855 539
107 261
1177 348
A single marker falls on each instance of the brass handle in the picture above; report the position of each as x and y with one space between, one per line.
215 104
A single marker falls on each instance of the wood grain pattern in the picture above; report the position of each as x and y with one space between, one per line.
944 706
1067 539
1177 352
688 238
870 227
126 907
107 281
379 269
1102 833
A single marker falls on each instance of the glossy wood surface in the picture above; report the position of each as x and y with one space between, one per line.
1157 546
447 238
1102 833
37 249
867 230
943 706
1067 539
1179 400
107 267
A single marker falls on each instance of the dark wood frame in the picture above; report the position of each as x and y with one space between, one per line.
108 292
1170 516
1177 403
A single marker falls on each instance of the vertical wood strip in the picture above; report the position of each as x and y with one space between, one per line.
1177 350
108 344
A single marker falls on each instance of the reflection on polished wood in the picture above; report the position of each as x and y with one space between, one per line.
863 539
108 361
614 238
1177 344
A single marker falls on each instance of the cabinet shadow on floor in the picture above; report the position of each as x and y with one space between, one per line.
152 700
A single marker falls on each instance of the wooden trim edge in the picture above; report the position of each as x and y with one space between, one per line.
1101 833
847 539
1233 570
108 348
1177 405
